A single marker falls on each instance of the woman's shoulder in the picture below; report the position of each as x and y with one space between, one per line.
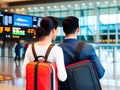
57 48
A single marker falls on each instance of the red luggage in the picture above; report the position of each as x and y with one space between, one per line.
41 75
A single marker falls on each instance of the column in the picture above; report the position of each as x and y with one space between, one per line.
100 53
6 52
13 52
0 52
114 53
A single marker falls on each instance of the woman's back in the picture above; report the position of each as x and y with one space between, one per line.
55 56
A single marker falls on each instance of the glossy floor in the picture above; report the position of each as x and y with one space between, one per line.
10 76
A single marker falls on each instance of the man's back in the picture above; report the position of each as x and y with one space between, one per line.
87 52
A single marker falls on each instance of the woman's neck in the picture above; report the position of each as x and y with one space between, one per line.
45 41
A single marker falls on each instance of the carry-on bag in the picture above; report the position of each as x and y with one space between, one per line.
81 75
41 75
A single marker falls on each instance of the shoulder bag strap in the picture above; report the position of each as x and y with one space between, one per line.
78 50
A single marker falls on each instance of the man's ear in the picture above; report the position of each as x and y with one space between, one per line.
78 30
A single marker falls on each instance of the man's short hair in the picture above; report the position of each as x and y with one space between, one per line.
70 24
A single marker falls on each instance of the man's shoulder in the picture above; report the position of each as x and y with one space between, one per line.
69 41
88 46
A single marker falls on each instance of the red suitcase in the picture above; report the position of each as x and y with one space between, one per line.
41 75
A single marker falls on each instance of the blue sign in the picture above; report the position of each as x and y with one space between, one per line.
22 21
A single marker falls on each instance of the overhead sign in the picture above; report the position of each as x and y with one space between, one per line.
19 26
24 21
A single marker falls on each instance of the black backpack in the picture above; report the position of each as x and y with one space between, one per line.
81 75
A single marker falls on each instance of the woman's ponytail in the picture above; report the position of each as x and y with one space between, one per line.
40 32
46 25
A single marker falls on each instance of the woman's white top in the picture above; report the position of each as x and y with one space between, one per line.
55 56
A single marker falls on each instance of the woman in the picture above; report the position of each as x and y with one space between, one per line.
46 33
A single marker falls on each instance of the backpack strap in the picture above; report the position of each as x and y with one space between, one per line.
46 55
78 50
34 53
48 51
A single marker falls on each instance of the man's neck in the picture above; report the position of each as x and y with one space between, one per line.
71 36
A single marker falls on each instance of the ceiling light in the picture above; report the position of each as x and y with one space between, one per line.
35 7
48 7
42 7
90 3
106 2
69 5
98 3
62 6
83 4
114 1
11 10
55 6
29 8
6 10
76 5
23 9
17 9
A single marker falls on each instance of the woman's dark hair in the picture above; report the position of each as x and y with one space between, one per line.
46 25
70 24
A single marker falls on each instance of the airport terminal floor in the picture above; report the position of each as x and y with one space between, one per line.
10 76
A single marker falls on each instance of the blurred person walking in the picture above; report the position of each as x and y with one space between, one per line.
18 47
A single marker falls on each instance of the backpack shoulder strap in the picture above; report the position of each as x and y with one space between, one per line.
48 51
34 53
78 50
46 55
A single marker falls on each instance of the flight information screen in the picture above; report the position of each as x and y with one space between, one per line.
6 19
14 26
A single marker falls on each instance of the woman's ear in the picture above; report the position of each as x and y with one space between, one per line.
54 33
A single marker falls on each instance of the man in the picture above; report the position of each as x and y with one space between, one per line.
17 51
71 30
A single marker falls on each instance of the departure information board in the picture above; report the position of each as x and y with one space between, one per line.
14 26
6 19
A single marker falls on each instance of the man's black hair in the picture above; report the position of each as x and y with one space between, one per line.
70 24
